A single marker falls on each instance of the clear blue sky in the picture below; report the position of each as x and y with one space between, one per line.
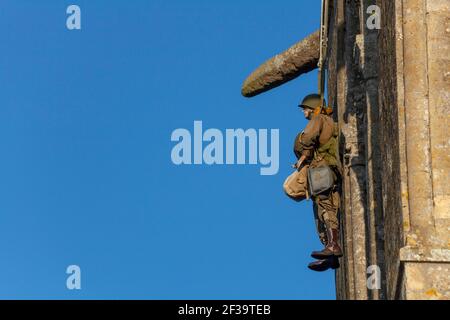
86 175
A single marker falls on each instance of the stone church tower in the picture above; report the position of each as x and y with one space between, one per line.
390 89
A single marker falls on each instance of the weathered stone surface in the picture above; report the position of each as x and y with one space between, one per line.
390 88
438 46
394 202
300 58
426 281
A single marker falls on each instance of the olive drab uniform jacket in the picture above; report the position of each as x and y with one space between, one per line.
319 142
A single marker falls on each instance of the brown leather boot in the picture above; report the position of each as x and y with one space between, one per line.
324 264
332 248
320 265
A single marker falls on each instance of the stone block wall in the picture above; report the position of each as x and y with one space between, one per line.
390 89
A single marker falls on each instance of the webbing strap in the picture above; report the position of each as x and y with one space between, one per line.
323 47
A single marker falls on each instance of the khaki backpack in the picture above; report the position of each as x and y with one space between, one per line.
296 185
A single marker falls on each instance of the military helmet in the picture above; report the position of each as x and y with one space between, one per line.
311 101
